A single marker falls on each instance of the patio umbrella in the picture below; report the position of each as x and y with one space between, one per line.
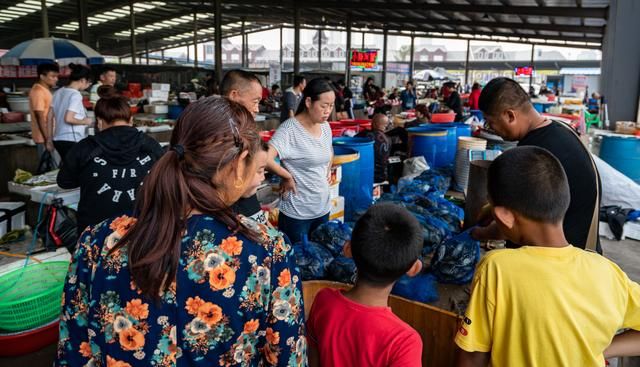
47 50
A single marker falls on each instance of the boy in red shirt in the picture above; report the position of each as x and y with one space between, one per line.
356 327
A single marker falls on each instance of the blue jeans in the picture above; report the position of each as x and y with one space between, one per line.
296 229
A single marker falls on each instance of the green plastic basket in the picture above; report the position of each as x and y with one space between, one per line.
31 296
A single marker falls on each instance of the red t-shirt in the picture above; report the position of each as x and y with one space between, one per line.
347 333
474 98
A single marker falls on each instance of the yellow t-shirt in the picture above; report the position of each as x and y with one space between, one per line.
542 307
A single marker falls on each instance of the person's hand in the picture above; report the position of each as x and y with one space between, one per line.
288 185
87 121
49 146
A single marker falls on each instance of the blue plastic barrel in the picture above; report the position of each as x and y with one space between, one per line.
623 154
452 139
174 111
356 187
431 143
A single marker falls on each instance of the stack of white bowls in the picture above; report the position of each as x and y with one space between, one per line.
466 145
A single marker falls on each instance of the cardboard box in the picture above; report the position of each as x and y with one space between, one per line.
11 216
337 209
161 86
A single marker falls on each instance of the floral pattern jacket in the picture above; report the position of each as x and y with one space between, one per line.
233 302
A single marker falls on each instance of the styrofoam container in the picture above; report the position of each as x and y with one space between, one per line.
337 209
334 190
158 109
161 86
630 230
17 219
69 197
25 190
153 100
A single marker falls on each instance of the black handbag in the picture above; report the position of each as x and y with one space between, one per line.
59 227
47 163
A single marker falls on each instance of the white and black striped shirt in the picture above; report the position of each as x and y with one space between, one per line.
308 159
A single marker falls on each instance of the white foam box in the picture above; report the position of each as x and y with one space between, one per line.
336 175
69 197
334 190
158 109
630 230
161 86
337 209
150 93
11 216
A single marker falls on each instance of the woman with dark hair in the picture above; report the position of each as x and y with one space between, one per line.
186 281
304 145
70 116
110 166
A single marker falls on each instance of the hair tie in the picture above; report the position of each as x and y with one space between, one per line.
179 149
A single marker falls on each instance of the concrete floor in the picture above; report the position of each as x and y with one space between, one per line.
624 253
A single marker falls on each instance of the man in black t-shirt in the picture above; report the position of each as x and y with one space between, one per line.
509 112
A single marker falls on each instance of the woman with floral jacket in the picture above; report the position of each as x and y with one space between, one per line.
185 281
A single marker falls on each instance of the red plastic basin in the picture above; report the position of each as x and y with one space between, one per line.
443 118
29 341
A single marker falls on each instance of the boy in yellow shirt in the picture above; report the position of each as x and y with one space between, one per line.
546 303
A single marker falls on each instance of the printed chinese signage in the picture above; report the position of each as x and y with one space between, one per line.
364 60
524 70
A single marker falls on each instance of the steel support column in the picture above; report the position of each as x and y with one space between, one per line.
132 27
218 39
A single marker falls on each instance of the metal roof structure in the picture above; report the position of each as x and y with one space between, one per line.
165 24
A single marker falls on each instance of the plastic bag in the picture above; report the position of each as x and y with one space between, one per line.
333 236
312 259
454 261
421 288
342 269
415 165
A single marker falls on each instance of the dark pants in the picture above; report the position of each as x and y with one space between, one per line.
296 229
63 147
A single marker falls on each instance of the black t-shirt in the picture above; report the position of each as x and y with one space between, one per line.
575 160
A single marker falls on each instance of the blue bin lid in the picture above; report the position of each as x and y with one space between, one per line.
352 141
427 129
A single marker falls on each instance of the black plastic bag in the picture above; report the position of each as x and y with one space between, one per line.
47 163
59 227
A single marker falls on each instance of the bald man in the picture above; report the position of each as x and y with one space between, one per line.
245 88
381 146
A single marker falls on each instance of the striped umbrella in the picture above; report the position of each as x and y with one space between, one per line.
47 50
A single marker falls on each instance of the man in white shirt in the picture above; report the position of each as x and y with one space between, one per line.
107 76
